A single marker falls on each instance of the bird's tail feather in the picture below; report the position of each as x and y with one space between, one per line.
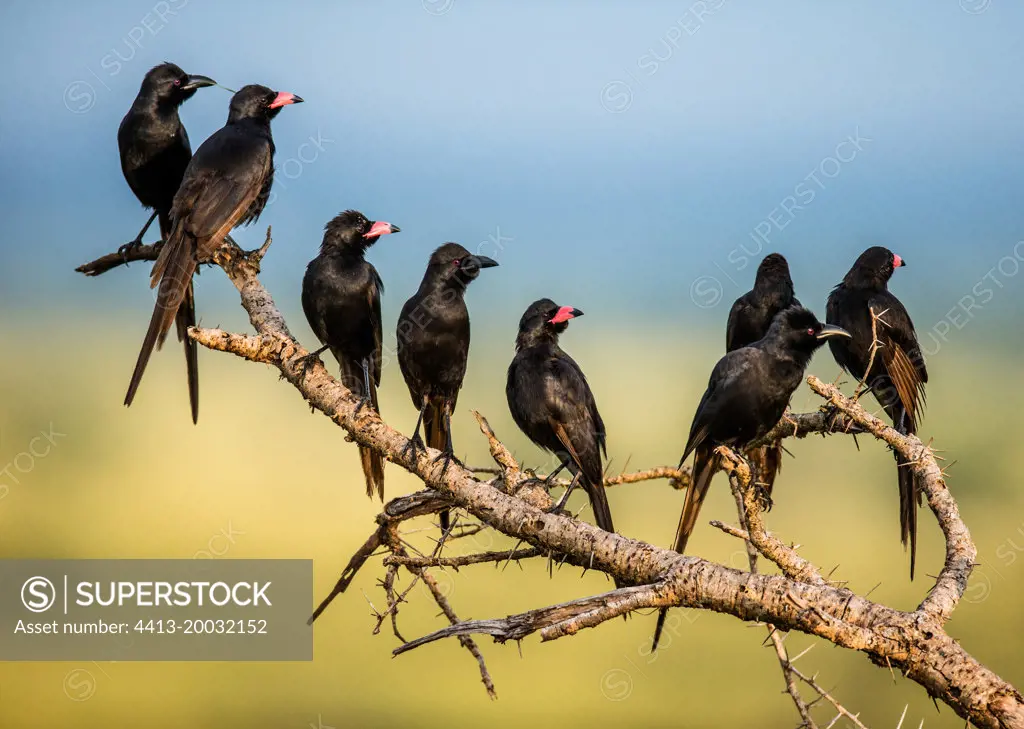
908 509
185 318
434 435
767 464
599 504
373 470
173 271
372 462
704 464
602 512
910 497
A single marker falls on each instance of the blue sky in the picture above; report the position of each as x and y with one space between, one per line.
629 151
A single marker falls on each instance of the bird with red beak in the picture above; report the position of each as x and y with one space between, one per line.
551 401
284 98
884 353
341 294
564 314
226 184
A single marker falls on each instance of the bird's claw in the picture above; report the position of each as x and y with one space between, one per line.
447 457
363 402
763 496
415 444
307 361
558 505
127 248
533 478
832 414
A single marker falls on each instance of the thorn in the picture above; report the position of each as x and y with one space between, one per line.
902 716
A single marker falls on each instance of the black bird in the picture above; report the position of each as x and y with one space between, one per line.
341 298
551 402
898 372
746 396
749 320
751 314
433 344
155 151
227 183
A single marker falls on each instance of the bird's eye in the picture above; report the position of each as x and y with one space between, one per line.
456 262
177 82
811 331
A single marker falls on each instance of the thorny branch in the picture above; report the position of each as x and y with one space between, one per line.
757 539
876 344
915 643
741 482
508 555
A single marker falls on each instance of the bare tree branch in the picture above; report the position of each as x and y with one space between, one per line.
116 259
792 564
914 643
746 508
456 562
961 553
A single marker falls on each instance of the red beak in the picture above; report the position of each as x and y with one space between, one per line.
897 261
284 98
381 228
564 314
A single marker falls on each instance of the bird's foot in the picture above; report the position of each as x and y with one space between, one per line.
414 445
533 478
307 361
832 414
560 504
764 496
363 402
447 456
127 248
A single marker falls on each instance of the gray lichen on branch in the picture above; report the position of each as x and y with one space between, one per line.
514 504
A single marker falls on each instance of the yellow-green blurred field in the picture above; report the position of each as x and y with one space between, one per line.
145 483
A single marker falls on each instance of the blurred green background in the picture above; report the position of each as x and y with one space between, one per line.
283 483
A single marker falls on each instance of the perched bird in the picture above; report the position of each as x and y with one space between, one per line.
749 320
751 314
746 396
341 298
155 151
153 143
898 373
226 184
551 402
433 344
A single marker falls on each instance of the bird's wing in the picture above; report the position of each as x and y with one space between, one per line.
223 179
374 295
901 354
574 415
721 396
311 303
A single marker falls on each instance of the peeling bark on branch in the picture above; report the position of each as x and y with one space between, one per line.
915 642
